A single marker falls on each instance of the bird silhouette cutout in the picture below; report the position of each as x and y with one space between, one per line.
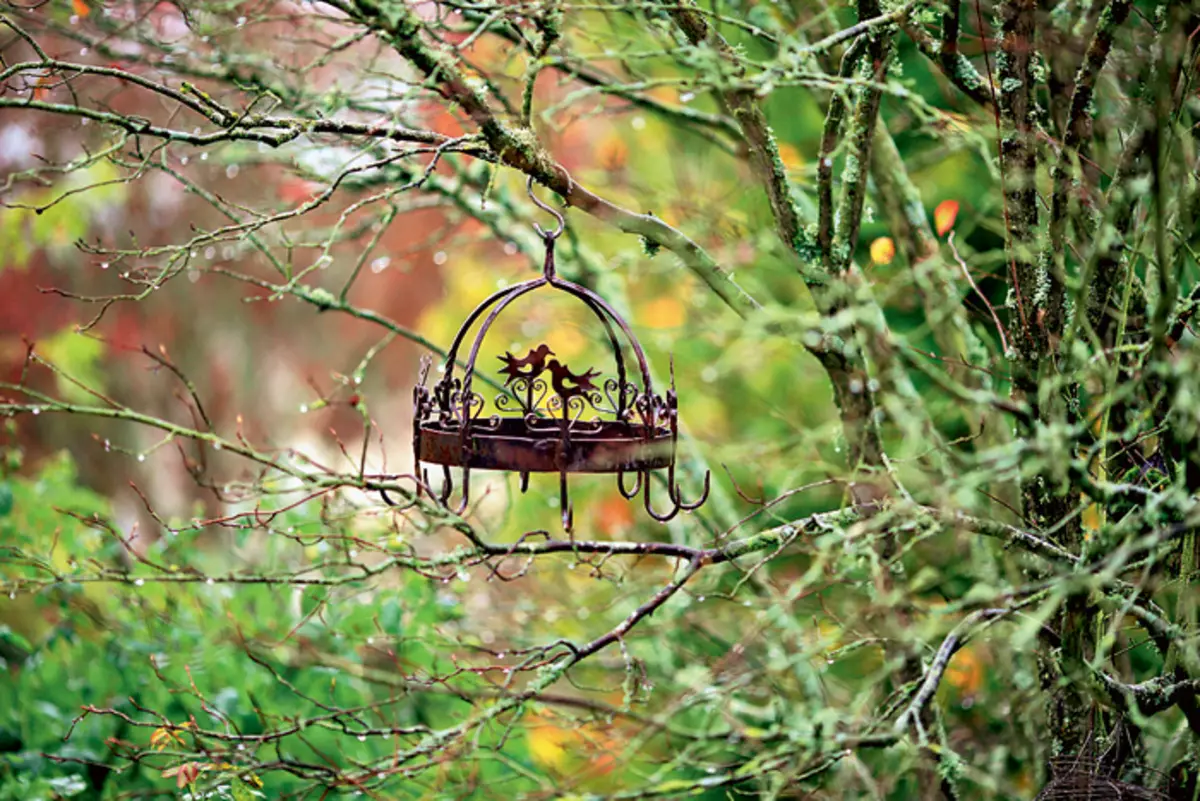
529 367
560 375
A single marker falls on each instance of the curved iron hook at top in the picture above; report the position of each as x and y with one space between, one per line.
562 223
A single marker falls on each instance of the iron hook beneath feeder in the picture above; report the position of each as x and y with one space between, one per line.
629 495
677 495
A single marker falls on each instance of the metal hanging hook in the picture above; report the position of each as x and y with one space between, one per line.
677 495
562 224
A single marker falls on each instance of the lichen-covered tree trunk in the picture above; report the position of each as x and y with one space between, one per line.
1037 308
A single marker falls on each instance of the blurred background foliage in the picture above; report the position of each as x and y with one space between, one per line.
246 637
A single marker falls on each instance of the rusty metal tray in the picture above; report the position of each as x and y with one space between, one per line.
605 447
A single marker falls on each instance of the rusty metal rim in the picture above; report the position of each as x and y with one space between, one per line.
617 447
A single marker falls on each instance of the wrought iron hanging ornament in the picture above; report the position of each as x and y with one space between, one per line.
540 426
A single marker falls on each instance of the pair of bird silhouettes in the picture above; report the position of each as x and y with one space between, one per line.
566 384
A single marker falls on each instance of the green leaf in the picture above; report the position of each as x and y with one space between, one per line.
6 499
78 356
312 600
10 637
240 791
14 239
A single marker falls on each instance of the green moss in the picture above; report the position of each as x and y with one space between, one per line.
806 246
966 74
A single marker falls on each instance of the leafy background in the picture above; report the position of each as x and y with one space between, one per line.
103 680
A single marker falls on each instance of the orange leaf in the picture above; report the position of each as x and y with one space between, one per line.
790 157
966 671
612 152
943 216
614 514
80 7
162 737
883 250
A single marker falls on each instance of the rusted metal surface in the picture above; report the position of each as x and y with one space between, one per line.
617 447
550 417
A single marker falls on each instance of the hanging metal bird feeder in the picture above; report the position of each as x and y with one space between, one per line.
550 418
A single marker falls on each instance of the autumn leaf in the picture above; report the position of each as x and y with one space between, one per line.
953 123
1090 520
184 774
790 157
965 672
163 737
612 152
294 190
42 87
883 250
664 312
581 749
614 514
944 215
80 8
548 744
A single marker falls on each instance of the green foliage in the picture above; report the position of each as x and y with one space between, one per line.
79 357
56 218
924 285
181 650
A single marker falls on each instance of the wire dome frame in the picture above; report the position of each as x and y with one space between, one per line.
549 418
1086 778
1095 775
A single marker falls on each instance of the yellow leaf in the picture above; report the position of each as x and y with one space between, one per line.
568 342
161 738
548 745
664 312
950 121
883 250
665 94
944 215
1090 520
790 157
